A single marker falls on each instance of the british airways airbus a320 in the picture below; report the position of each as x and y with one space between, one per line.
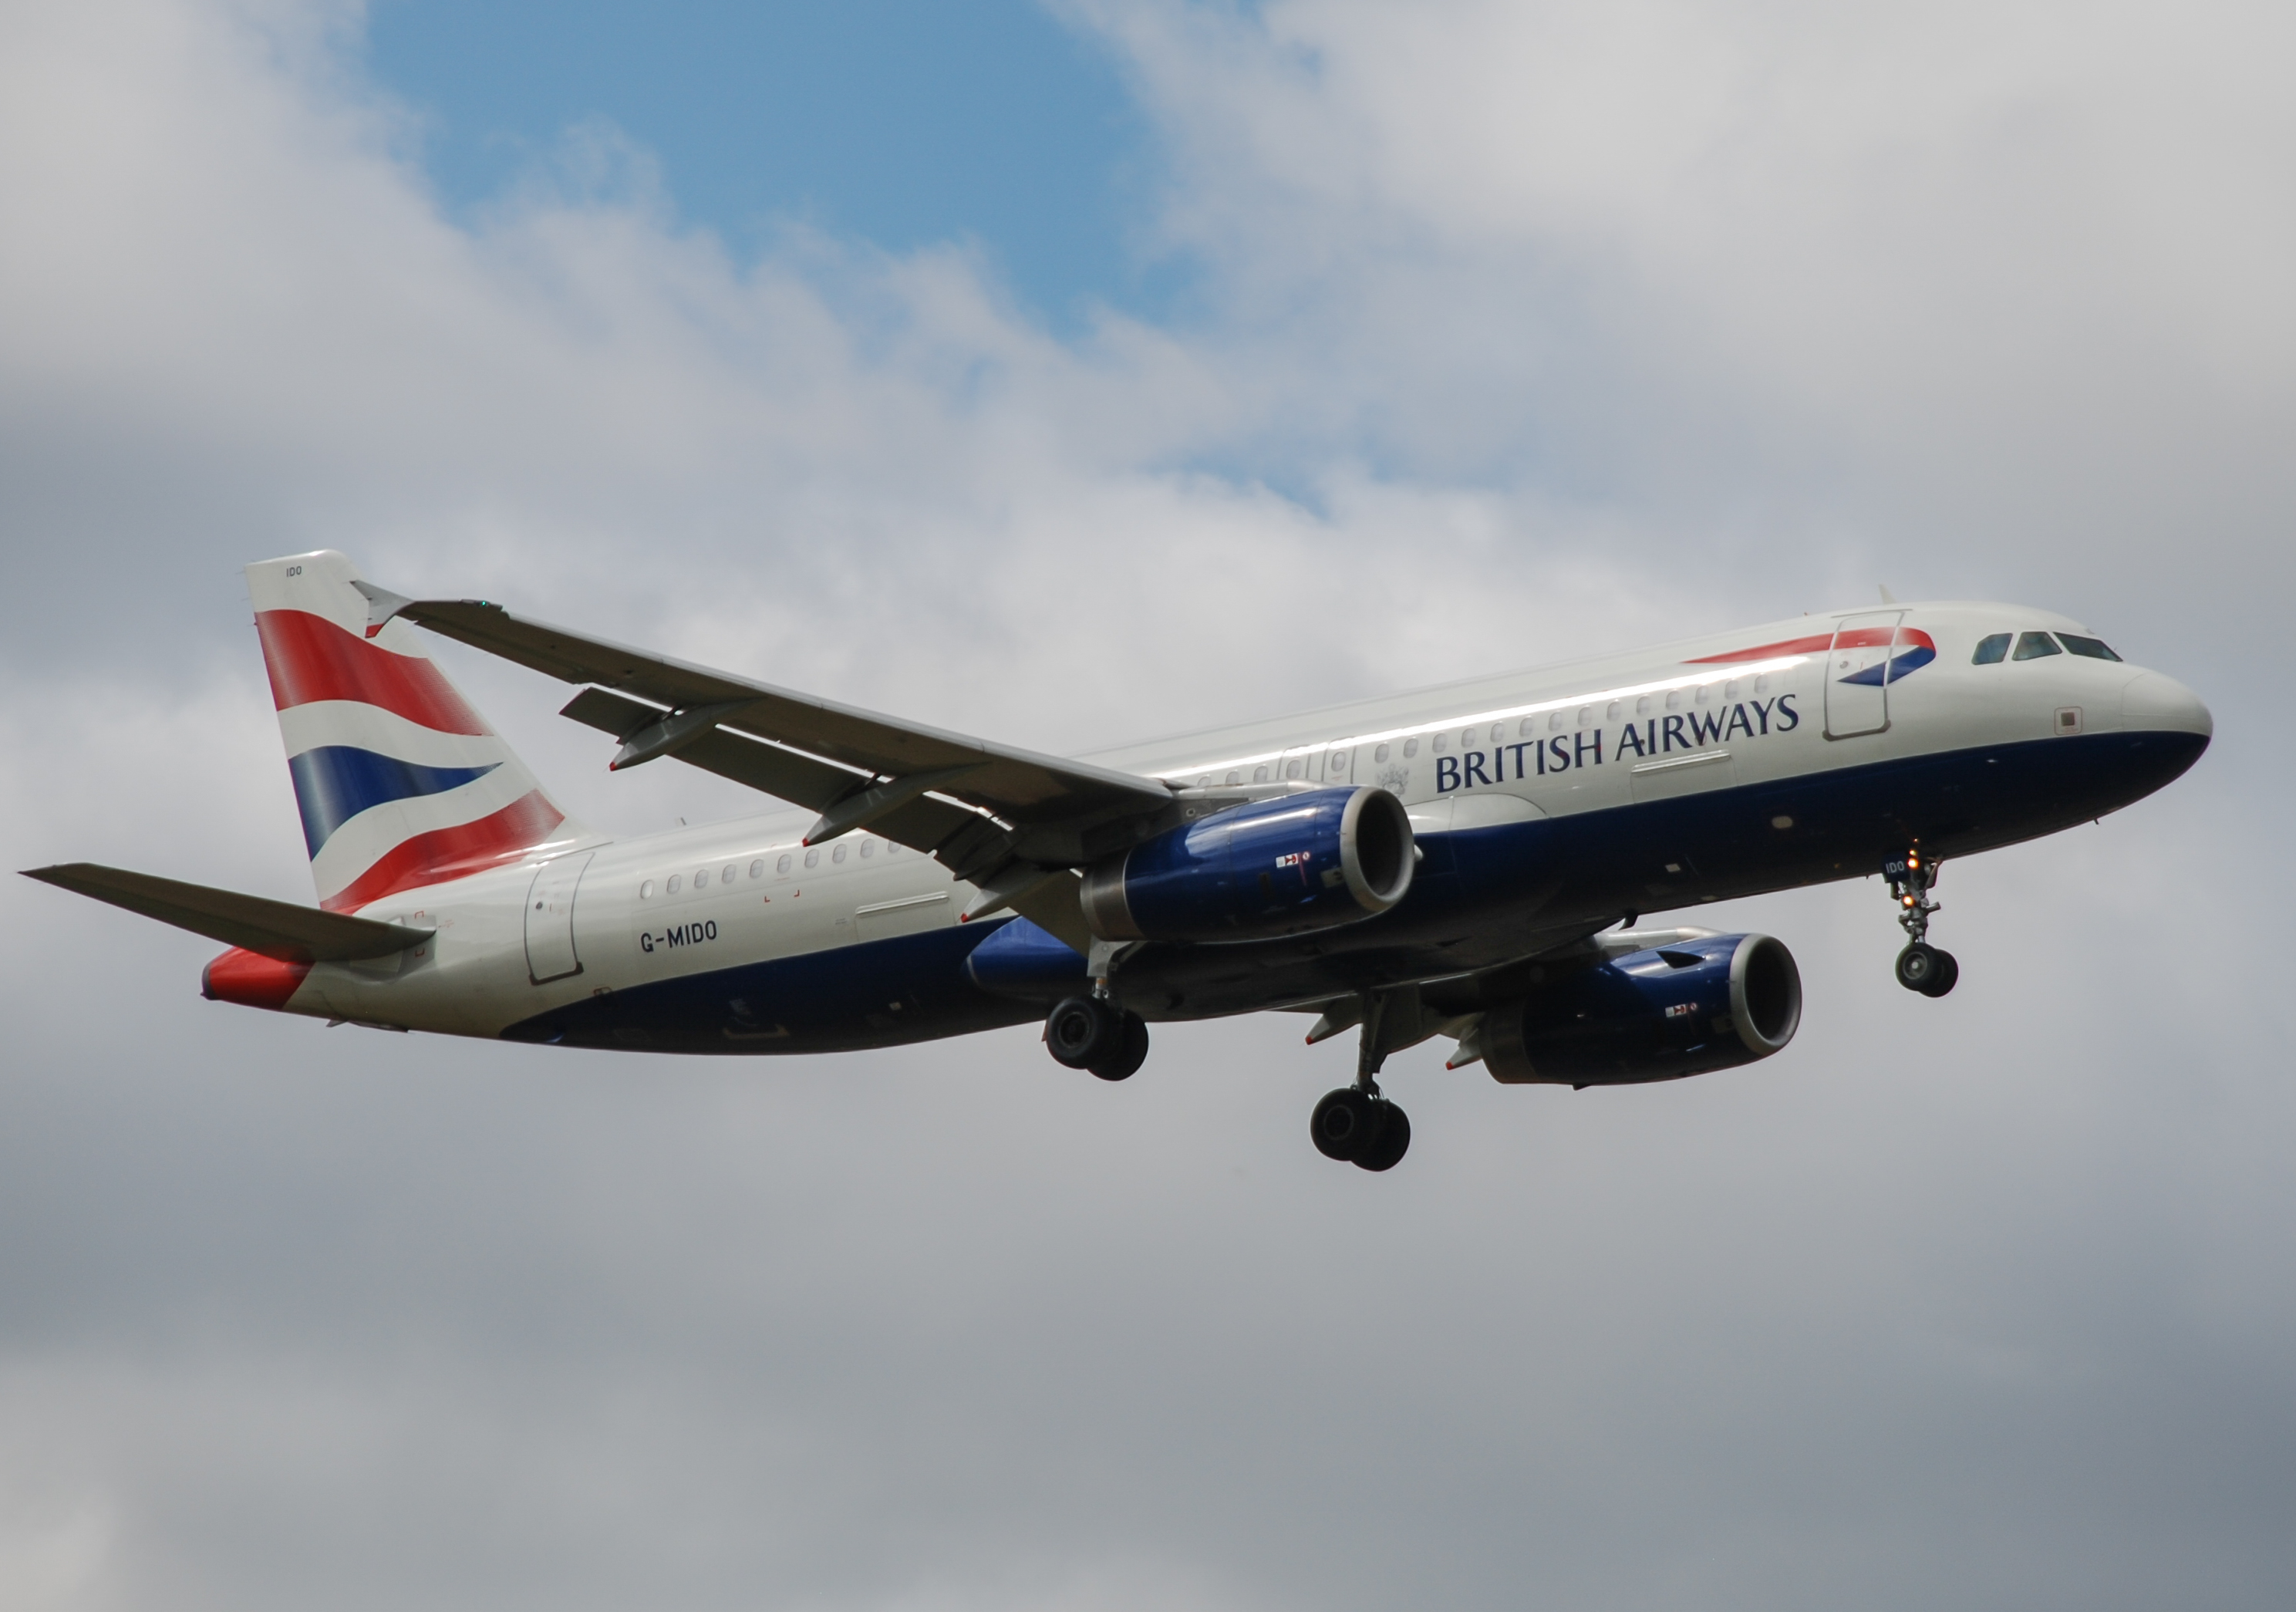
1467 861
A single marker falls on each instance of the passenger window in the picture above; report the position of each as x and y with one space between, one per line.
1642 706
868 848
1674 699
1259 775
671 888
1555 722
726 878
1586 715
2033 645
837 855
1466 738
645 891
1379 755
700 878
782 866
1442 742
1991 650
1610 714
2093 648
1410 748
813 856
1529 726
1235 777
1337 761
757 869
1292 770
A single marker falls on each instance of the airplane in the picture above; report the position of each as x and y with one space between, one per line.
1470 861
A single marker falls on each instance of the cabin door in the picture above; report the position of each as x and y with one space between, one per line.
1857 674
550 919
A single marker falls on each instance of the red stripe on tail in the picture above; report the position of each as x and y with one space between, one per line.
452 853
310 658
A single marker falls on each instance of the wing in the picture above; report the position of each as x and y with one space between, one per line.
1011 821
254 922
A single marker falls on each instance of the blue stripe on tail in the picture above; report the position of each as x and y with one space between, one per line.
334 783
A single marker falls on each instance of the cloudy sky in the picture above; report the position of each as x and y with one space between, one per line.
1073 374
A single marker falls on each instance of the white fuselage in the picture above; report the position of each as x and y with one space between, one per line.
599 917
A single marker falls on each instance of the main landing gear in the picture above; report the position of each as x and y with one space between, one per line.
1358 1124
1093 1033
1921 967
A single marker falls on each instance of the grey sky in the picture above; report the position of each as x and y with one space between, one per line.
1527 329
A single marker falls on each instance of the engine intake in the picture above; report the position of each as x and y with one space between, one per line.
1287 866
1660 1015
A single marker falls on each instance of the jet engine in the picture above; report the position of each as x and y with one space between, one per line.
1689 1008
1287 866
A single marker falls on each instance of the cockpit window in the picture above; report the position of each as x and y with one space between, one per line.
2093 648
1991 650
2033 645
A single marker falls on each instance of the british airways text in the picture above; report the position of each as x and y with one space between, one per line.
1656 735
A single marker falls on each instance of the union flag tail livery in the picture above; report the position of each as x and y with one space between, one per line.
1468 861
399 783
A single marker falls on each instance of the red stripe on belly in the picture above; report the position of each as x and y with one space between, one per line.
251 980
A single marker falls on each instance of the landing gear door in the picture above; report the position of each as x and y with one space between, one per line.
550 919
1857 674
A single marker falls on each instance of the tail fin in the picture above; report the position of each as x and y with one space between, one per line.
401 784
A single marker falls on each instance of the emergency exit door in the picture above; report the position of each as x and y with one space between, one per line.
1857 674
550 919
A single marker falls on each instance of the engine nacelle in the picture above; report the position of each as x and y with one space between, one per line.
1286 866
1660 1015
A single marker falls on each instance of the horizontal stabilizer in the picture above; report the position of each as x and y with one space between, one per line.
275 929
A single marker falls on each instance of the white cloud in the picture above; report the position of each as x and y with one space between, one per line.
1529 330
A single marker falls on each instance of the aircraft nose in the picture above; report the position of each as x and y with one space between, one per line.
2158 704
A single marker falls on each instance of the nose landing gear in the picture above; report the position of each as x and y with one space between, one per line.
1921 967
1358 1124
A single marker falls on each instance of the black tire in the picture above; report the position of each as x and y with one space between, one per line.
1082 1031
1343 1123
1386 1150
1131 1052
1918 967
1948 973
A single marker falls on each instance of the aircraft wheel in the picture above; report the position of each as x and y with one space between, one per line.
1385 1151
1344 1123
1921 966
1082 1031
1131 1050
1948 972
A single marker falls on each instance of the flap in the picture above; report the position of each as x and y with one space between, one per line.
253 923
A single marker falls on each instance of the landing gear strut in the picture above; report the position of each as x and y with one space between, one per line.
1358 1124
1921 967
